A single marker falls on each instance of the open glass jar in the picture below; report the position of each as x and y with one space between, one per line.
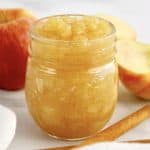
71 86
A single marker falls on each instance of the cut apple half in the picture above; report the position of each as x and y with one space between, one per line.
123 30
134 67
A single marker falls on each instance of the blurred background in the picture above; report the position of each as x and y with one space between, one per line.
136 12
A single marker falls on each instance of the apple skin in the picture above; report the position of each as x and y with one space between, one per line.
11 14
14 43
138 84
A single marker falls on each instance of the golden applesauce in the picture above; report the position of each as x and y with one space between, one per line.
71 80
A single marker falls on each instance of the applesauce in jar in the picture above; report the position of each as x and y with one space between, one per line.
72 78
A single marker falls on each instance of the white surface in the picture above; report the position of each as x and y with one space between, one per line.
28 135
7 127
116 146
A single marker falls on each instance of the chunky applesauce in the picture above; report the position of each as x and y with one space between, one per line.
71 80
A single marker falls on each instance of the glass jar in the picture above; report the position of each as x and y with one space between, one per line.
71 87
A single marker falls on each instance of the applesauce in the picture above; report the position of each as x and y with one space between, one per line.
72 78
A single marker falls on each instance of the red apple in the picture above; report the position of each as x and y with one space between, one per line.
14 43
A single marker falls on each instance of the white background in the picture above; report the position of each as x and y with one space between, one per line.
135 12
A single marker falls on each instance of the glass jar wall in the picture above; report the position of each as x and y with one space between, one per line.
71 85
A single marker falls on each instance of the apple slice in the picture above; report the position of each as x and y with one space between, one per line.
134 67
123 30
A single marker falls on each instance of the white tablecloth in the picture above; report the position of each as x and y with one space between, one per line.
28 135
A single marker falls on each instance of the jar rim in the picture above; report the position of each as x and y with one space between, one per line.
41 38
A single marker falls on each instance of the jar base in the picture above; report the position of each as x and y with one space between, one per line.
81 138
72 139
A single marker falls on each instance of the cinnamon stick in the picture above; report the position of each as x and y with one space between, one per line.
143 141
